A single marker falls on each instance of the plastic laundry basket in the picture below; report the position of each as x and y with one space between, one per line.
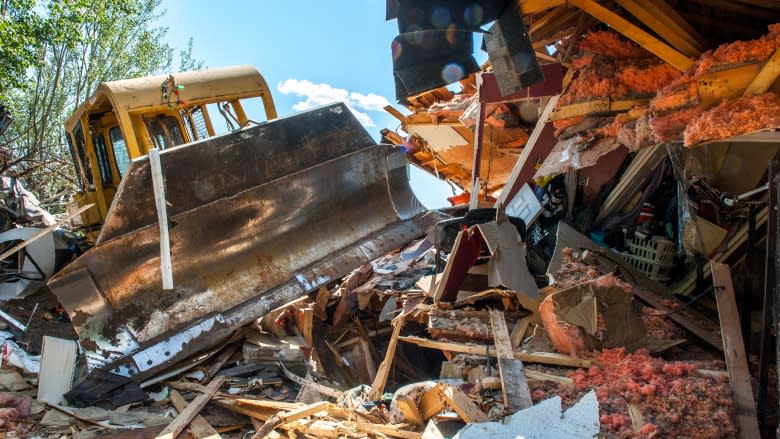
652 256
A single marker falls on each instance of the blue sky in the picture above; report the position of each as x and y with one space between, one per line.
310 52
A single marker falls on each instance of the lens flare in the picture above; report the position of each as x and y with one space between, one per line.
441 17
473 15
452 72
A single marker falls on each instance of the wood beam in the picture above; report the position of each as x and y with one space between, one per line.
547 19
734 351
530 7
596 106
517 395
672 18
655 23
535 357
766 77
649 42
513 184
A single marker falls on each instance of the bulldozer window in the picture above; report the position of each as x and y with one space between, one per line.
81 152
120 150
104 167
164 131
194 123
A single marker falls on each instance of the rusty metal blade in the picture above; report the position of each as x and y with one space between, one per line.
257 218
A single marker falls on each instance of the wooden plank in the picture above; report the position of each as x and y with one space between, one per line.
687 318
431 403
378 386
766 77
409 409
652 44
734 351
387 429
44 232
536 357
395 113
659 27
220 361
58 364
543 376
675 21
530 7
596 106
252 412
518 332
166 267
269 404
467 409
199 427
324 390
527 150
514 386
290 416
185 416
546 19
321 303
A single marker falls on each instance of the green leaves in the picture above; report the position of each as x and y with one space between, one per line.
53 55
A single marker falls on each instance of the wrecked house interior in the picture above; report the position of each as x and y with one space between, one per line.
608 267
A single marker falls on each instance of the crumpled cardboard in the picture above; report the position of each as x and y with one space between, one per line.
571 318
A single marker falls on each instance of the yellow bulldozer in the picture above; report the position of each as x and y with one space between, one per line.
257 217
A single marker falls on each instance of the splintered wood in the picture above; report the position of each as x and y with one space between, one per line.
513 382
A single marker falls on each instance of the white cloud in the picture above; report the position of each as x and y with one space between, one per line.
321 94
369 101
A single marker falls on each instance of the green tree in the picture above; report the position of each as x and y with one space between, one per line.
67 48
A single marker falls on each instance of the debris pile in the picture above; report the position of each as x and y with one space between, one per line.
681 108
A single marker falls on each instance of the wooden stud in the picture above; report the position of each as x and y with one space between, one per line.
166 267
290 416
536 357
467 409
378 386
386 429
321 303
199 427
664 9
596 106
517 395
518 333
676 22
734 351
185 416
652 44
546 20
766 77
220 361
527 150
530 7
659 27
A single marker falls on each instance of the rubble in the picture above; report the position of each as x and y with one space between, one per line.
580 309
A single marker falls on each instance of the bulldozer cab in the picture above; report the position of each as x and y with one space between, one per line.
123 119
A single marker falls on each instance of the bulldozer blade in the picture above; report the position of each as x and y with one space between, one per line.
257 218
